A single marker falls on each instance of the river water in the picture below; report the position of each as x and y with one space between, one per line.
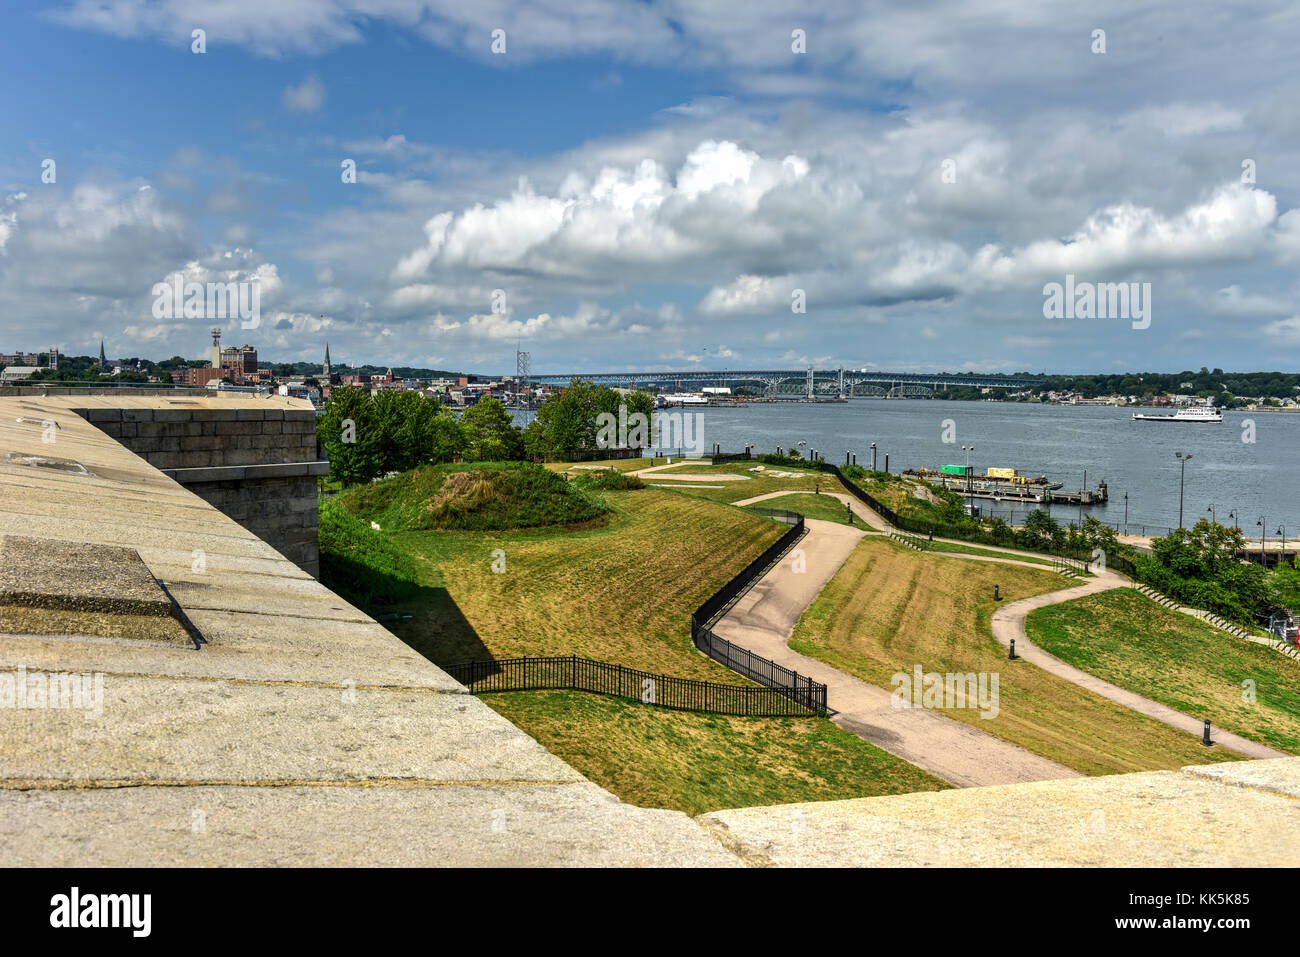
1254 479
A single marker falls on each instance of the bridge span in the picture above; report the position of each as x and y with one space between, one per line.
808 382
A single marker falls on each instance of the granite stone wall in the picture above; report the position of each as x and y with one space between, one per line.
258 466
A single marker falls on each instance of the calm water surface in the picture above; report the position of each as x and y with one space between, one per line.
1254 480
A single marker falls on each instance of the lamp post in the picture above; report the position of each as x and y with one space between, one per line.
1126 513
1213 517
1081 491
1281 530
968 449
1183 457
1263 530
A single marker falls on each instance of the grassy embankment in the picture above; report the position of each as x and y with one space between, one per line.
622 465
619 587
1175 659
890 608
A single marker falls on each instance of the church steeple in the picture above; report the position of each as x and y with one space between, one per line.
103 361
325 371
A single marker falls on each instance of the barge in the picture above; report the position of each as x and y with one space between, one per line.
1005 485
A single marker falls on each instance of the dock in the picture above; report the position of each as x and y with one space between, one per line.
1031 494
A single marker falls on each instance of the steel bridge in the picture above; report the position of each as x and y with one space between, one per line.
810 383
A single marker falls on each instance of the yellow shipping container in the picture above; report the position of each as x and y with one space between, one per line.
1002 473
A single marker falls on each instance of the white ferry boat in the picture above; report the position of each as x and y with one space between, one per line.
1198 413
682 398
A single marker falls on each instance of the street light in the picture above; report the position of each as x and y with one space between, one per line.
968 449
1281 530
1183 457
1263 530
1126 513
1213 518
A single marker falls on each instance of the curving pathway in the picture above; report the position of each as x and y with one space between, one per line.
1009 623
763 621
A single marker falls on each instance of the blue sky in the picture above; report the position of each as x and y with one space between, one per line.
652 184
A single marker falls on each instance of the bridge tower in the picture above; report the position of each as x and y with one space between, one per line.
810 382
841 382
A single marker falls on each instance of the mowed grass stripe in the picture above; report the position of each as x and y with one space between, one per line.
890 608
1177 660
621 593
704 762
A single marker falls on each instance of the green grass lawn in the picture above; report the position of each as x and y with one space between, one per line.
623 465
938 546
823 507
695 763
756 483
622 591
890 608
1175 659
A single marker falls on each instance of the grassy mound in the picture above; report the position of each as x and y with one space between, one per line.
479 498
609 480
359 563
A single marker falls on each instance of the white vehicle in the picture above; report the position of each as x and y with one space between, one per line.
1200 413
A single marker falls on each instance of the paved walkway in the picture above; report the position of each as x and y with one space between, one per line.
878 524
763 621
1009 623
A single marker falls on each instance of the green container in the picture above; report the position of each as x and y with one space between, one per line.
954 469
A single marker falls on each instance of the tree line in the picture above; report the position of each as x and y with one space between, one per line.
367 436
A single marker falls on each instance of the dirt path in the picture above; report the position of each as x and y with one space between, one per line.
763 621
1009 623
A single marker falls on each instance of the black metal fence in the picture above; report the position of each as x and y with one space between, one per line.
809 695
784 693
574 673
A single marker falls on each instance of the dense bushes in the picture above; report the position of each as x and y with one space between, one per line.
1199 567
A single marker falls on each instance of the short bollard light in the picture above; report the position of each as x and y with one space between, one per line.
996 595
849 508
1012 656
1205 737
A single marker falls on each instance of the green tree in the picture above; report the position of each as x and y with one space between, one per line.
347 431
490 434
413 431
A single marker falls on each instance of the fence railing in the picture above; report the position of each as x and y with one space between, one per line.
575 673
806 693
784 693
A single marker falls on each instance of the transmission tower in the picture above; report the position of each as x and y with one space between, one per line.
523 367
